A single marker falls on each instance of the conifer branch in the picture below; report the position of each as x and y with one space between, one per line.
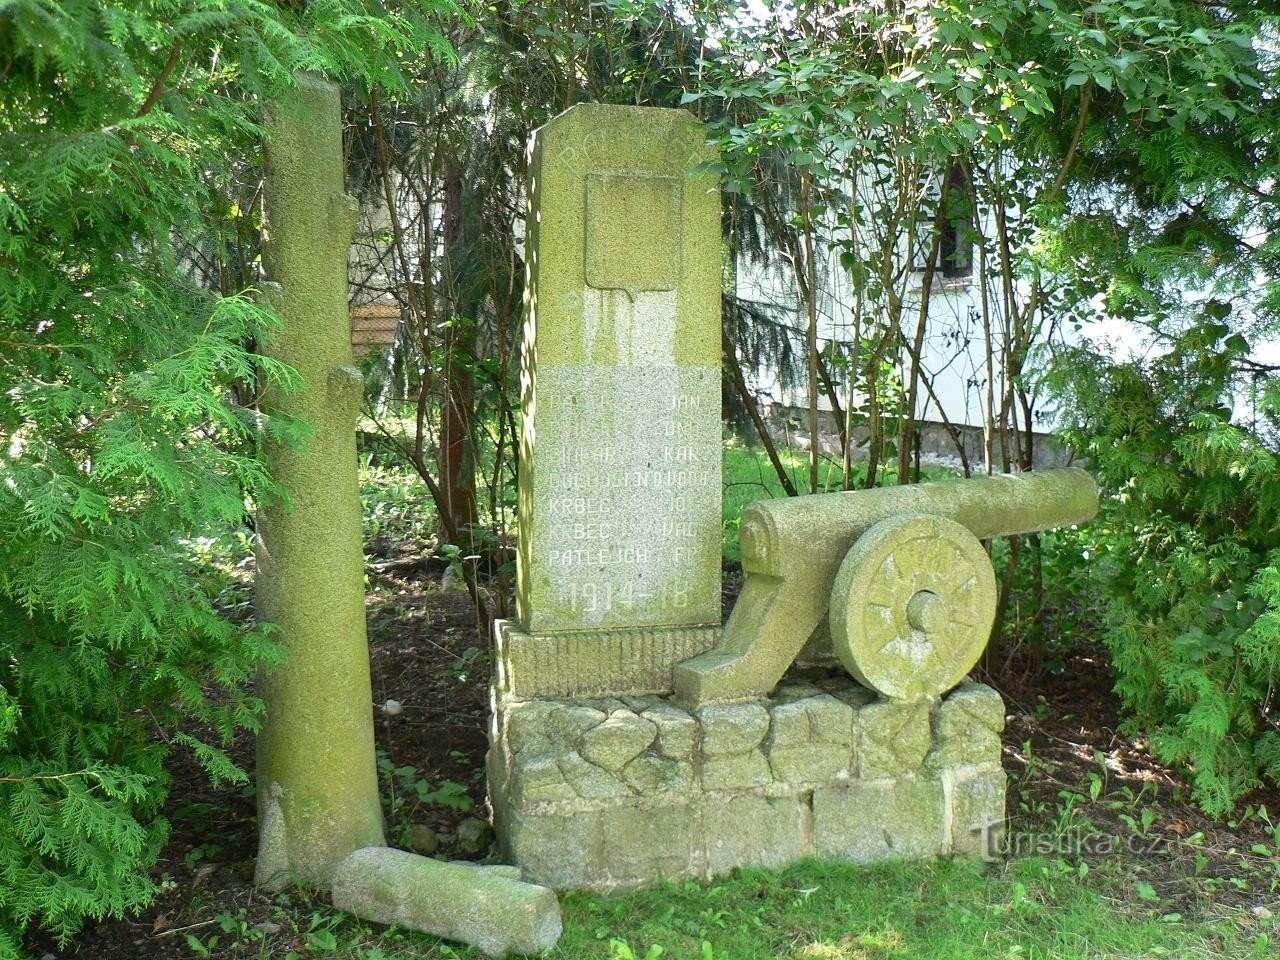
157 88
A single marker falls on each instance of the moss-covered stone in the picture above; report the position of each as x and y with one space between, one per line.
562 851
795 690
592 663
479 906
893 738
978 814
739 771
811 740
854 695
677 731
549 726
811 763
912 606
756 831
619 508
648 775
792 549
967 728
616 742
732 728
507 870
643 703
871 822
971 706
539 780
589 781
795 789
789 725
528 726
645 844
816 719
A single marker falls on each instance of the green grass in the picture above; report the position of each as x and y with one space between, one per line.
1031 909
949 910
748 476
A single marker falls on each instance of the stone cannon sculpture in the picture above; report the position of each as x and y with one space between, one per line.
899 573
634 737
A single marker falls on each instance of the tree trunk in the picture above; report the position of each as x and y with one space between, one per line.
811 330
317 781
456 463
457 443
833 397
908 440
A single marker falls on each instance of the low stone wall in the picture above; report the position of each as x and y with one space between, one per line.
790 426
609 794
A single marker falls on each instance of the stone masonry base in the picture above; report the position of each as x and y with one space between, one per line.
608 794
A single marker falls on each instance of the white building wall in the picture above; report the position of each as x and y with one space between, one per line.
953 356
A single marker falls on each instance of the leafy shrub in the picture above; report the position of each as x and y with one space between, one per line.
396 505
1186 552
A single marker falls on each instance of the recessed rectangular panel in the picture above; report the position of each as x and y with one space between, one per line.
632 232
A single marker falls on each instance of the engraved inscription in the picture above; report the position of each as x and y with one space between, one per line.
629 526
607 597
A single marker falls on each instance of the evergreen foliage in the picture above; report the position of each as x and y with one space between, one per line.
122 128
1166 230
1185 555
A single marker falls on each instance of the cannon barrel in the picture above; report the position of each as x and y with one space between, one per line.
792 550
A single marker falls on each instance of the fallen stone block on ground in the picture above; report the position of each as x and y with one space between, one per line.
473 904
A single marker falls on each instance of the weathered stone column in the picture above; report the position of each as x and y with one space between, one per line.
619 562
486 906
317 781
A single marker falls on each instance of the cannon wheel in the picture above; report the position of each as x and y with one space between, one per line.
912 606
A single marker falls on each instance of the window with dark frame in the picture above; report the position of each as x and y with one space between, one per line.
955 246
955 252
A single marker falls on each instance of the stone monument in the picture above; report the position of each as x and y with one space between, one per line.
633 739
619 564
